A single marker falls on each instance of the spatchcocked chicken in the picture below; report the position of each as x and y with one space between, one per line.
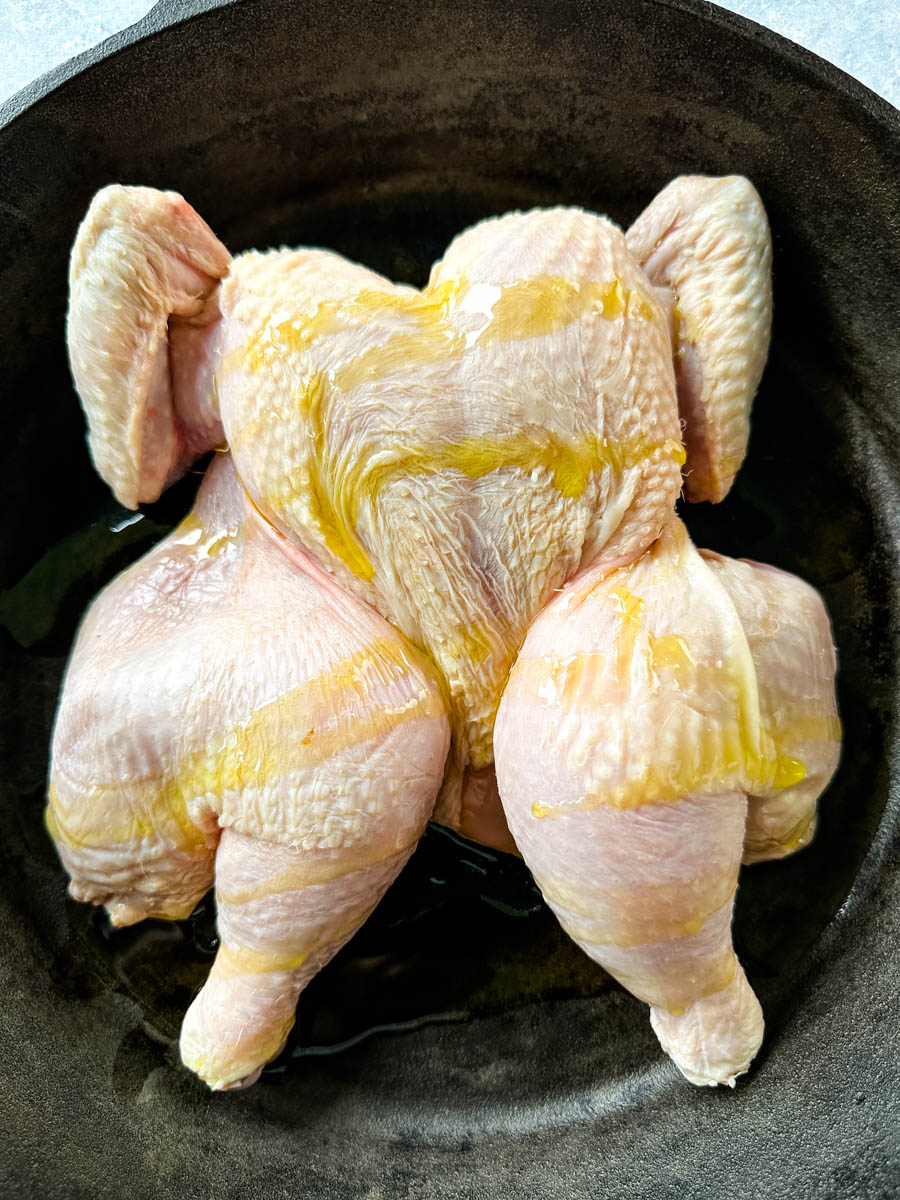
435 571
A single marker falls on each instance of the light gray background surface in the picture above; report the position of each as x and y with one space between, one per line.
860 36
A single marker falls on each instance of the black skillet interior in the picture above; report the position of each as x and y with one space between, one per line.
460 1045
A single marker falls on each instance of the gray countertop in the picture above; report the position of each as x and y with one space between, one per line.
860 36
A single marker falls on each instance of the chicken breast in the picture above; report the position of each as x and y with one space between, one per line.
452 456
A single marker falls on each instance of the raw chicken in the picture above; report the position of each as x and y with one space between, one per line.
705 241
787 630
639 716
220 696
429 494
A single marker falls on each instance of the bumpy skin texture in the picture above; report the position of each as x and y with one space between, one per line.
707 240
396 435
218 689
429 493
142 432
627 739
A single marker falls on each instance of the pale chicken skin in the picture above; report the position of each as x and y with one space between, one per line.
438 510
217 691
636 723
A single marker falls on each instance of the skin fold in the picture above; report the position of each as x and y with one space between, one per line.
435 571
787 629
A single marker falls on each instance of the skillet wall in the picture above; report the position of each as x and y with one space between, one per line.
381 131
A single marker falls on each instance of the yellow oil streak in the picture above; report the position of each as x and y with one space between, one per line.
278 341
240 960
740 753
335 491
473 645
335 494
336 529
720 975
570 463
721 758
275 740
255 1045
785 844
670 653
564 681
629 609
671 986
796 836
722 978
648 912
312 869
200 541
529 308
546 304
246 960
796 728
190 532
402 352
99 820
568 682
788 771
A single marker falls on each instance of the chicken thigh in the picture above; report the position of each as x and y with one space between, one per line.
637 721
230 712
436 503
789 636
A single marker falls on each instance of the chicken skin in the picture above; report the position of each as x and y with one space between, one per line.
435 571
231 716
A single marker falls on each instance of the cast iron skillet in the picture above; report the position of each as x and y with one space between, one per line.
460 1046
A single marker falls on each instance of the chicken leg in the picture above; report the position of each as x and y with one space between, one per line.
220 686
628 739
789 635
